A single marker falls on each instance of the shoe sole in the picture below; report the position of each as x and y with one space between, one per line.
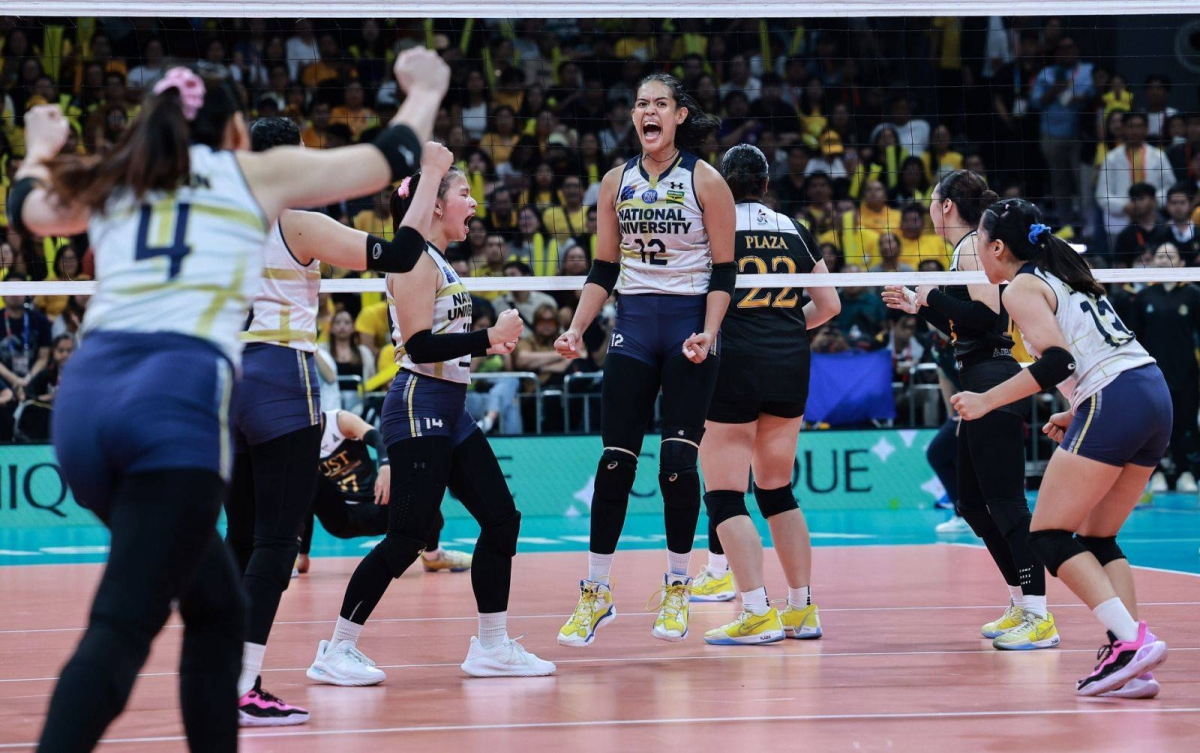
1143 689
1031 646
994 634
612 615
501 673
326 678
809 634
749 640
711 598
1148 658
247 720
668 638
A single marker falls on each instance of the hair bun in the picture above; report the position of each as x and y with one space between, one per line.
989 197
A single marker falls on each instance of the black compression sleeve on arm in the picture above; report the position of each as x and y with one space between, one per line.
1055 366
16 200
426 347
604 274
936 320
973 314
398 255
724 278
375 440
401 148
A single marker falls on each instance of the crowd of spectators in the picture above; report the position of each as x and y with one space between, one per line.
859 119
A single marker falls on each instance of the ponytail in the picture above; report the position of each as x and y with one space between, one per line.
153 153
695 128
969 192
403 195
1018 223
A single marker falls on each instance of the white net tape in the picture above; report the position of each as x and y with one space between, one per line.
865 279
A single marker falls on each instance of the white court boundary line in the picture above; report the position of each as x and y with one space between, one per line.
897 716
1135 567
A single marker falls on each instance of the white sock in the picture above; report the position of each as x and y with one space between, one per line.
1117 619
599 565
755 602
345 631
799 598
1014 593
252 660
1034 604
718 564
678 564
432 555
493 629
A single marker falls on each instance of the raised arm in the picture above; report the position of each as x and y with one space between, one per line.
30 206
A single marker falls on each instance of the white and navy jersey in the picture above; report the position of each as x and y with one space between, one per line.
344 461
451 315
185 262
284 312
664 246
1102 345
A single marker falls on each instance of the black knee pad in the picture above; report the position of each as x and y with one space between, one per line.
614 475
775 501
724 505
1104 548
977 518
677 476
1011 515
273 560
398 552
1054 547
501 538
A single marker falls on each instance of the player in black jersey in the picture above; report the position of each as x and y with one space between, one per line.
352 493
991 449
754 420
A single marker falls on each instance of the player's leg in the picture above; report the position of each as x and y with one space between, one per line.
715 580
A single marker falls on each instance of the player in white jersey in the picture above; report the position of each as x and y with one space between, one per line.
275 414
665 242
433 443
1110 440
177 214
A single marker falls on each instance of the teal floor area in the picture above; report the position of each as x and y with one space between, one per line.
1165 535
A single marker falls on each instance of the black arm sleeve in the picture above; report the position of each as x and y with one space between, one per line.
426 347
401 148
398 255
724 278
972 314
16 201
604 274
375 440
935 320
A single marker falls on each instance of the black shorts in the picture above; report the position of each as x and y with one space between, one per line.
747 411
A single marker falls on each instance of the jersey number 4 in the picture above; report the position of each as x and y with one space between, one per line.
757 298
152 217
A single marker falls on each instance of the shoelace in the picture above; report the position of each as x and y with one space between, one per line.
264 695
1103 653
671 600
588 603
359 655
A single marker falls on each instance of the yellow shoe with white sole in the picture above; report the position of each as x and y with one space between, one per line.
673 608
707 586
802 624
748 629
595 609
1010 620
1034 632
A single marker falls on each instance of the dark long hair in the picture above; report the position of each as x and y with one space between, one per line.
744 168
399 205
152 153
692 132
1015 221
970 194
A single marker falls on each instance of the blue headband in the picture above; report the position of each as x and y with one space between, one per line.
1036 230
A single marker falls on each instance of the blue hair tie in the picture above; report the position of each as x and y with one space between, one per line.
1036 230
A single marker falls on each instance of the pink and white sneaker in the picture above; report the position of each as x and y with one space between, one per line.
1122 661
1142 686
258 708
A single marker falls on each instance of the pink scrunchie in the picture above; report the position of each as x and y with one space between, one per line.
403 190
190 87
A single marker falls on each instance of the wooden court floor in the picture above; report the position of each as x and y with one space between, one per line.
901 666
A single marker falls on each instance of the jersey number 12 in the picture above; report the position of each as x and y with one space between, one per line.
157 217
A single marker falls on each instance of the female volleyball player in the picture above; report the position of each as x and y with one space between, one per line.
1111 439
991 452
755 417
276 411
432 441
665 241
178 218
353 491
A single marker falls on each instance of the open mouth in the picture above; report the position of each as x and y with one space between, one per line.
651 131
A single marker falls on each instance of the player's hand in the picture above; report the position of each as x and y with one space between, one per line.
383 485
420 69
923 292
502 349
901 298
508 328
971 405
1056 427
435 159
46 131
568 344
696 347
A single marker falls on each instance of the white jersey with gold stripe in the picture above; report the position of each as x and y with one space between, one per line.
664 245
186 261
451 315
284 312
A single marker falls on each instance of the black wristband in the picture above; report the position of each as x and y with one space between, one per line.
426 347
401 148
1054 367
16 201
375 439
724 278
398 255
604 274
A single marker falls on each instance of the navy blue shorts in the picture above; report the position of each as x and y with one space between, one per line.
1129 421
277 394
137 402
424 406
652 328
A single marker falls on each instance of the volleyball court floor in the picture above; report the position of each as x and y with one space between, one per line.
901 665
